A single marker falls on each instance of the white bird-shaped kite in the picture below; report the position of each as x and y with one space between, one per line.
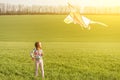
76 18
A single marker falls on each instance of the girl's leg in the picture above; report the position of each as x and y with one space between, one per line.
42 68
36 68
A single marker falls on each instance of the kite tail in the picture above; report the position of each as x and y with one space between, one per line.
96 22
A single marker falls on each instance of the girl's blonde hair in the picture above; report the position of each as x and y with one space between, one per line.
38 45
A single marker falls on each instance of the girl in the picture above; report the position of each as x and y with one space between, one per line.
36 55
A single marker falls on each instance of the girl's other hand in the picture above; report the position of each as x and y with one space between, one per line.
41 54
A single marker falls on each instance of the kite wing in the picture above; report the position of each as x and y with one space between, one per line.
68 19
76 18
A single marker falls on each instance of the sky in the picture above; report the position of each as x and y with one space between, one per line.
63 2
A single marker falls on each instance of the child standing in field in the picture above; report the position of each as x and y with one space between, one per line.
36 55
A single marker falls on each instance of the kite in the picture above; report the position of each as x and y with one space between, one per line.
76 18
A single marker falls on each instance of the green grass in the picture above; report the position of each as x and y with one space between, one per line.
52 28
62 61
70 52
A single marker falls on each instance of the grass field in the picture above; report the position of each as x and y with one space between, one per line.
70 53
52 28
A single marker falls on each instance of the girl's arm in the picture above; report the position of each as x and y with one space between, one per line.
32 54
42 53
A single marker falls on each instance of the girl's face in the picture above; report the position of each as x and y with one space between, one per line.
39 45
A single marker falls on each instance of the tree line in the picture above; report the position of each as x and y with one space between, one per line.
9 9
